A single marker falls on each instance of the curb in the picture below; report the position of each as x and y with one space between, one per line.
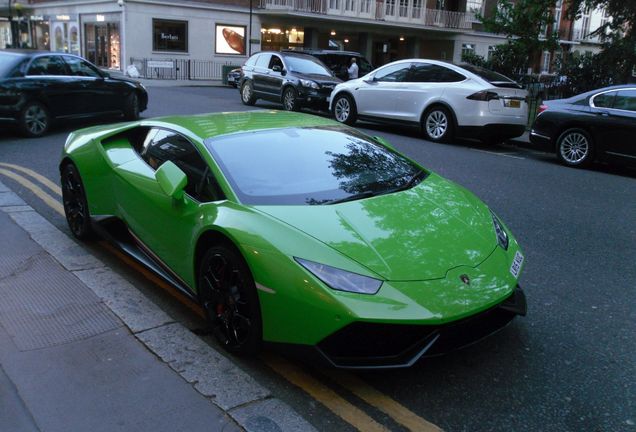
212 374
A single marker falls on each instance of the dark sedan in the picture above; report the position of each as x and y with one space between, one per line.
295 80
37 88
597 125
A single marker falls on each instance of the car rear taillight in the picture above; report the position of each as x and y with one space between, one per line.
483 95
541 108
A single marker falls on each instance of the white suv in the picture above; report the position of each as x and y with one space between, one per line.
446 100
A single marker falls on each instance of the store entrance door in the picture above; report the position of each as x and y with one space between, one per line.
102 44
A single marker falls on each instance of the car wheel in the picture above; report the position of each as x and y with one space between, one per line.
228 295
290 102
131 107
34 120
344 109
575 148
438 124
75 203
247 93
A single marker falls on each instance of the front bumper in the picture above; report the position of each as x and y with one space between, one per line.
541 141
364 345
316 98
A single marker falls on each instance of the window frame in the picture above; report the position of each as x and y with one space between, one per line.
155 48
144 147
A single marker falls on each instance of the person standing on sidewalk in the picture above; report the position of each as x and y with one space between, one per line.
353 69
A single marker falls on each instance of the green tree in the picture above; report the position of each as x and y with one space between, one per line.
524 23
618 35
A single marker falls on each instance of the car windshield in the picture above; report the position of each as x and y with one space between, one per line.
306 66
310 166
8 62
492 77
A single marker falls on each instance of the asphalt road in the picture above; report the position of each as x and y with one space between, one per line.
570 365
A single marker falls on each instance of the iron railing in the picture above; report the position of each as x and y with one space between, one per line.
402 11
180 69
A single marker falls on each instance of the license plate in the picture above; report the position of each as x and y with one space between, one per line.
516 264
230 79
512 103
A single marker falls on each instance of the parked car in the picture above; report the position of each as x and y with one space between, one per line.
600 124
233 77
445 99
37 88
295 80
296 230
339 61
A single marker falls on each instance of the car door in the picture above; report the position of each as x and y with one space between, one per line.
274 77
619 138
97 95
259 74
378 96
425 83
47 78
163 225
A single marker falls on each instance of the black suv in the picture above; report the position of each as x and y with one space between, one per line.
295 80
339 61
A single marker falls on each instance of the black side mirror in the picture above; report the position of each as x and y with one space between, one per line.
277 68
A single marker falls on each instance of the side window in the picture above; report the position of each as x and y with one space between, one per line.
275 61
395 73
365 66
424 72
251 61
47 65
625 100
263 61
79 67
162 145
604 100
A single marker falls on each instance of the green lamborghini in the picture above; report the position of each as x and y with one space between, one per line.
297 231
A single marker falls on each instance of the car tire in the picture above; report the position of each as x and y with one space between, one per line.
131 107
247 93
344 109
290 99
575 148
229 299
75 203
437 124
34 120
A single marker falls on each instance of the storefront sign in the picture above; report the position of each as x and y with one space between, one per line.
230 39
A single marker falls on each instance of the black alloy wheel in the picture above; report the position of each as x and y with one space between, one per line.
575 148
228 295
34 119
290 102
437 124
247 93
344 109
75 203
131 107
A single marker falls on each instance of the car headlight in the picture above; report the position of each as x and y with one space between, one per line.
502 235
309 83
341 280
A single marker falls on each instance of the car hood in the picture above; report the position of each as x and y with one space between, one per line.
417 234
124 79
320 79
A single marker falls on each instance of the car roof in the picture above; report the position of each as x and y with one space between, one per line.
323 51
25 52
217 124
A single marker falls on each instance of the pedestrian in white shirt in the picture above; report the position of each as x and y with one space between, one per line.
353 69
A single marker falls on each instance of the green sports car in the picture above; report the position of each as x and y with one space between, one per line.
297 231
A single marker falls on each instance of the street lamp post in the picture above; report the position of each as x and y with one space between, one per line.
249 32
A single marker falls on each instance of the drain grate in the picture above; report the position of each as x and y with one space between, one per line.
42 305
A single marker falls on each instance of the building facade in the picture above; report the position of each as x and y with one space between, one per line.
184 38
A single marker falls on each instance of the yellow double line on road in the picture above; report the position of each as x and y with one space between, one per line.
321 392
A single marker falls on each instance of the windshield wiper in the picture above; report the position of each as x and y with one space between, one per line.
412 181
354 197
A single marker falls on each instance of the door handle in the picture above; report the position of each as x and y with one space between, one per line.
603 113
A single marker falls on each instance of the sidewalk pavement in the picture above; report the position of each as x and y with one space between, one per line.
81 349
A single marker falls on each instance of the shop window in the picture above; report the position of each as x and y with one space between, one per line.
468 49
230 39
169 35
